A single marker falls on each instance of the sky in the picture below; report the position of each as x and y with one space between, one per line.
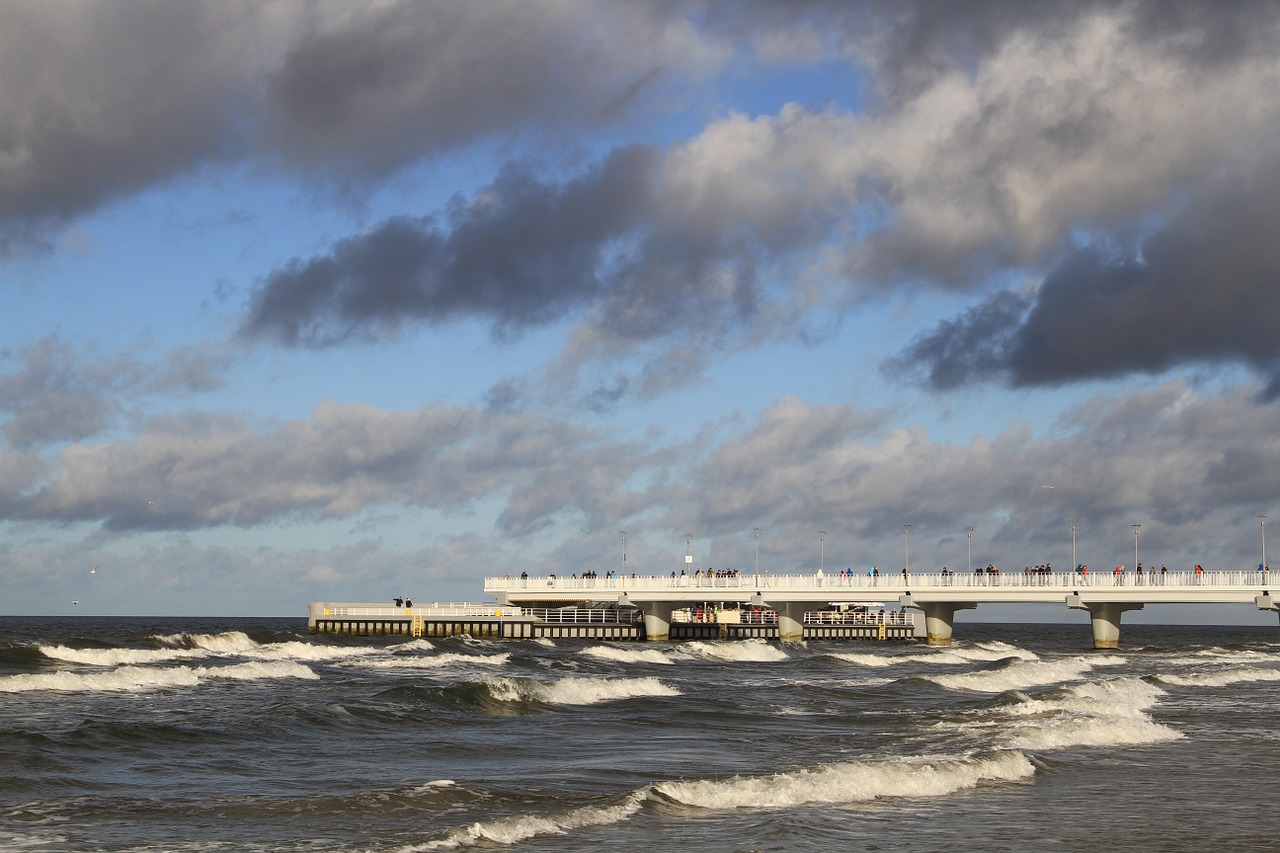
333 301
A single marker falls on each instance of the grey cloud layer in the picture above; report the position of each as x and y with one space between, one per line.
1204 288
102 100
201 470
1091 123
1169 456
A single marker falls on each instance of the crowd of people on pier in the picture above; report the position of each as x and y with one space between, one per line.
1042 574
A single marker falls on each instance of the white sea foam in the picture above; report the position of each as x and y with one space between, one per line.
229 642
1016 676
950 656
431 661
294 650
543 641
132 678
254 670
612 653
122 679
850 782
754 650
116 657
576 691
1106 713
1221 678
518 828
414 646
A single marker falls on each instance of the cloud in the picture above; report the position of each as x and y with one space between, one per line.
520 253
1169 458
374 91
103 101
201 470
1031 131
1201 290
60 394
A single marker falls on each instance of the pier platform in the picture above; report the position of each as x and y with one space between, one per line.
595 623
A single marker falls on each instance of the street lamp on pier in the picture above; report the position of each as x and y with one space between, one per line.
969 532
1073 521
1136 528
623 534
1262 523
822 535
756 531
906 549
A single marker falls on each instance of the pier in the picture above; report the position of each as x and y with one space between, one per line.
575 622
1105 596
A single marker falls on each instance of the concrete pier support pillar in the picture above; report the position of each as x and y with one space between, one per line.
1106 622
791 620
657 620
939 618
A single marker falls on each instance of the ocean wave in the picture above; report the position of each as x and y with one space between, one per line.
1221 678
612 653
295 650
229 642
431 661
850 782
952 656
414 646
747 651
118 656
1106 713
575 691
1016 676
132 678
518 828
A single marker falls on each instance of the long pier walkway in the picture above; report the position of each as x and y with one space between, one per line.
1105 595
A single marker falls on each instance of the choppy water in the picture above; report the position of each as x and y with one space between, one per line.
247 734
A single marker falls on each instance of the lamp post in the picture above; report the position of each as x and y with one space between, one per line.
688 550
756 531
1073 521
623 534
1136 528
969 532
822 535
906 549
1262 522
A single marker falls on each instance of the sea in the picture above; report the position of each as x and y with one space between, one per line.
248 734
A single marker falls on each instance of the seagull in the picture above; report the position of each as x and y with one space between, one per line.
94 570
75 601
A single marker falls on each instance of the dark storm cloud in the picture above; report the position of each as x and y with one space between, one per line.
1203 289
100 101
407 79
521 252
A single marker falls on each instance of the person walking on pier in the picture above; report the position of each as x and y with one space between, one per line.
1119 576
1199 573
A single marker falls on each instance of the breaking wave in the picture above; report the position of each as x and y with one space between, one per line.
132 678
852 782
612 653
576 691
1221 678
754 650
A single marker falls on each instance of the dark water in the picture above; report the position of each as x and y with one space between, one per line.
247 734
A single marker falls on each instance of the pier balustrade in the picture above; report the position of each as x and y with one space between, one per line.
922 581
